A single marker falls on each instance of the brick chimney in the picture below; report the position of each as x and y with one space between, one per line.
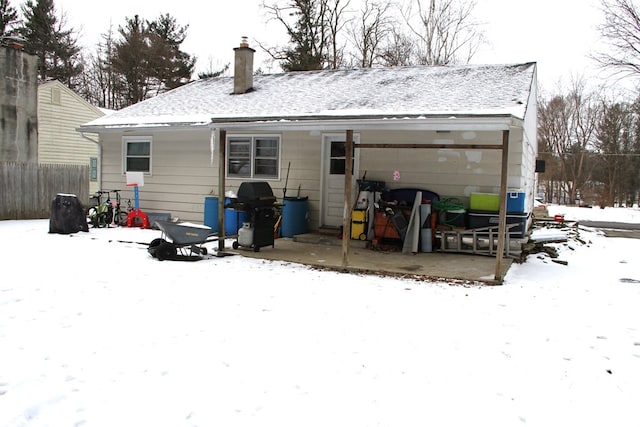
243 68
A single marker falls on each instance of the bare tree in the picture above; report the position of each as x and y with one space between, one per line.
369 31
336 21
399 49
102 85
618 153
567 129
621 31
446 30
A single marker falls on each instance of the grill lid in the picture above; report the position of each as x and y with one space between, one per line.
256 193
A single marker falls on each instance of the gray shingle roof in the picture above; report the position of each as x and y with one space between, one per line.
374 92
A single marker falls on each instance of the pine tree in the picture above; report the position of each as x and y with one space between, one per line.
173 67
55 46
149 58
131 59
8 18
308 35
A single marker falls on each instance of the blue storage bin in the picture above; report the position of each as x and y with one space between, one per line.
515 202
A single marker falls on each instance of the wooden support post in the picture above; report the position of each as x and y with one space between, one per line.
348 179
502 221
222 162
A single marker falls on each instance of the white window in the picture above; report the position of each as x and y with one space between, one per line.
253 156
137 154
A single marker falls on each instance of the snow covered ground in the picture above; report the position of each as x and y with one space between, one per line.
95 332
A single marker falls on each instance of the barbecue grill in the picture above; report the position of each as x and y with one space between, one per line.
256 199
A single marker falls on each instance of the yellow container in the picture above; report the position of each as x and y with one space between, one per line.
359 224
487 202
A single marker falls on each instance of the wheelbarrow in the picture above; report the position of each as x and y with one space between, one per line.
180 241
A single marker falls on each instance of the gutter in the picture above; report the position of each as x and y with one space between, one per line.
448 122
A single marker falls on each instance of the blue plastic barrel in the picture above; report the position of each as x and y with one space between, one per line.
233 219
294 216
211 213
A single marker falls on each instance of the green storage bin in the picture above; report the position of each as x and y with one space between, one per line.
488 202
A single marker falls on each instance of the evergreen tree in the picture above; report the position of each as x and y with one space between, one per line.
173 67
149 58
210 72
55 46
8 18
309 35
131 59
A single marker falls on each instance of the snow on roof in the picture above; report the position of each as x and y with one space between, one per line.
372 92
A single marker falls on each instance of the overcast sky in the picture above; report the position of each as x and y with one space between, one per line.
557 34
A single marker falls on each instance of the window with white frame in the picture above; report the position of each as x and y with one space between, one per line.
137 154
253 156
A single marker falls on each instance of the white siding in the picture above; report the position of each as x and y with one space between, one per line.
60 113
183 173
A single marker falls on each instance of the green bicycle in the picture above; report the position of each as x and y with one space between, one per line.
105 212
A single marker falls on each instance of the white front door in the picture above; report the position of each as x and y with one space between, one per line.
333 170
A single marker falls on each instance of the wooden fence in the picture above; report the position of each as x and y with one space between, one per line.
27 189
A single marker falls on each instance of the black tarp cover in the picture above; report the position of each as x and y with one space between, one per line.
67 215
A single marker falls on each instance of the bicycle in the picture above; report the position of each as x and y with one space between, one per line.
119 215
107 213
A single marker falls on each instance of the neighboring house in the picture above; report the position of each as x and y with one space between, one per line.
294 125
60 112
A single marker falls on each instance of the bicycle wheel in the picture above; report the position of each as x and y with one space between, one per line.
122 219
103 219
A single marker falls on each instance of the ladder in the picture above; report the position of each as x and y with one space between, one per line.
480 241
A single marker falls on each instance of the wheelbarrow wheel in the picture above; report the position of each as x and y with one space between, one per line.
166 250
156 242
153 246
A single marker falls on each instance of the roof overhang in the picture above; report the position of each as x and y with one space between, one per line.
449 122
146 127
363 123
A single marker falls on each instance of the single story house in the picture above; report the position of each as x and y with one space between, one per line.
479 122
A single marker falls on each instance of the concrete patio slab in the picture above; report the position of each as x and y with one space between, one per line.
324 252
